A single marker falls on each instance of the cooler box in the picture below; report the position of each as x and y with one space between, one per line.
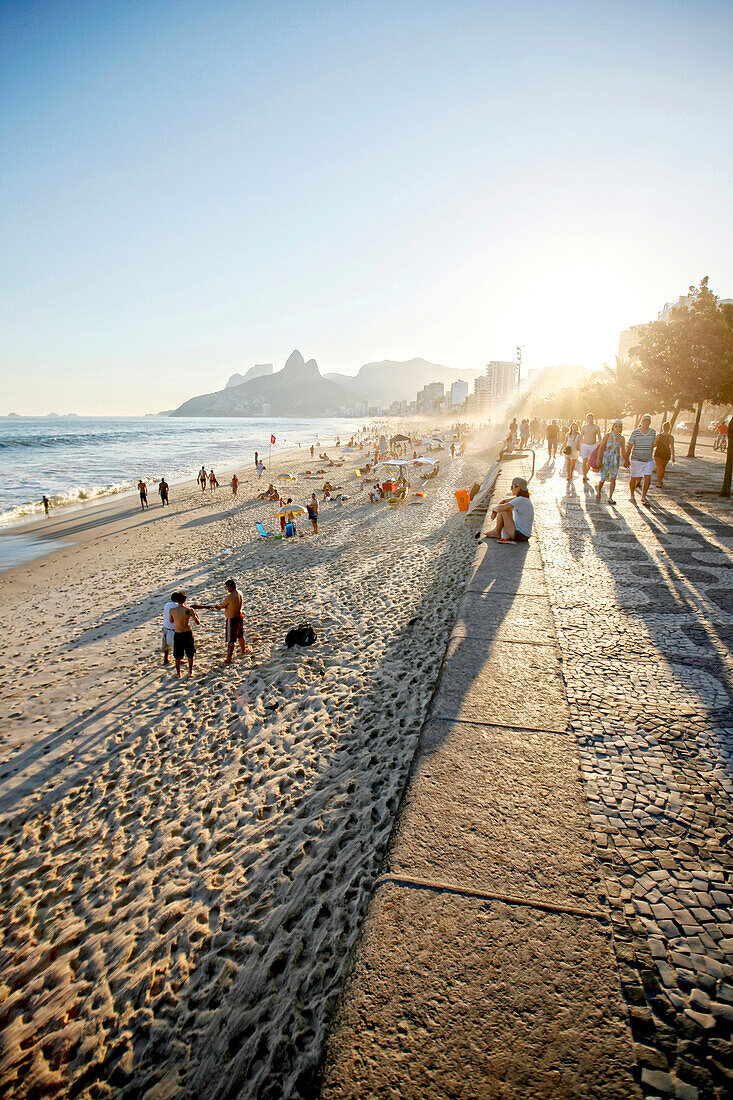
464 499
289 530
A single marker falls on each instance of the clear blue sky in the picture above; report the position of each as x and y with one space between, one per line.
189 188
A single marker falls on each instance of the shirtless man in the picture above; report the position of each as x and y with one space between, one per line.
202 478
183 643
143 491
233 621
590 437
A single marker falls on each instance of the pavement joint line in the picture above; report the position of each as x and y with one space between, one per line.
528 902
458 633
497 725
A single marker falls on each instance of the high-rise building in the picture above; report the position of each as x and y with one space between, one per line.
458 393
482 394
501 377
431 397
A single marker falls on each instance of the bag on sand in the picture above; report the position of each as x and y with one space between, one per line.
300 635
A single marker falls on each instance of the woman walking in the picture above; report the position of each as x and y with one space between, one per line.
663 451
609 455
571 450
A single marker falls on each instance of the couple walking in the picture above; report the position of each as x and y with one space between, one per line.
644 450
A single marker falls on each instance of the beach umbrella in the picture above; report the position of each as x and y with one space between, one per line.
424 461
290 510
400 439
388 469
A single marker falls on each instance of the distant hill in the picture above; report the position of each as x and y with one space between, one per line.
298 389
392 380
259 370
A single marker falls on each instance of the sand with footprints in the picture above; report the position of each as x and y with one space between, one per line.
185 865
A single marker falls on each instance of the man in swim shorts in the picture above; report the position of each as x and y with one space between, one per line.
233 621
590 437
183 643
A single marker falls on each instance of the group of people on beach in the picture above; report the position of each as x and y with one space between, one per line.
178 617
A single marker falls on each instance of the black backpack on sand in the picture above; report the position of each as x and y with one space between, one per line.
300 635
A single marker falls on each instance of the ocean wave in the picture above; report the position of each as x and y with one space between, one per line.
63 500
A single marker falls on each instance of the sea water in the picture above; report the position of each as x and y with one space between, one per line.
76 459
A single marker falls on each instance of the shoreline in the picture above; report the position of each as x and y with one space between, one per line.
66 520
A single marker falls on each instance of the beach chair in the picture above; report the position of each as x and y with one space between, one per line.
263 533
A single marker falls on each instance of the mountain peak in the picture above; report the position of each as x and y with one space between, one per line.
297 368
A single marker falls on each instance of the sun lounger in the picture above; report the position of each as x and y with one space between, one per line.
263 533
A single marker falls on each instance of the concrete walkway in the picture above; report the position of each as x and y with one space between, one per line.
555 917
487 966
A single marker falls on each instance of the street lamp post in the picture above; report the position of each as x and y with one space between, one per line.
519 365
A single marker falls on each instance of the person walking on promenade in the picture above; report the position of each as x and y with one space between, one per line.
610 450
143 491
202 478
183 643
524 433
571 450
663 451
553 438
313 513
514 515
163 489
639 459
590 438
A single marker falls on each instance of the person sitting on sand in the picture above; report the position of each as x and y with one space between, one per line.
327 490
231 605
514 515
183 643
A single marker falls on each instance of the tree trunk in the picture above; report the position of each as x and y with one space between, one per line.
664 418
675 413
695 430
728 475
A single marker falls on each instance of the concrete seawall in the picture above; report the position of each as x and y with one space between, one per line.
486 965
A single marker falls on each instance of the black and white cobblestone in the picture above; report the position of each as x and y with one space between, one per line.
643 610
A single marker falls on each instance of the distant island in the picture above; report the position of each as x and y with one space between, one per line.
299 389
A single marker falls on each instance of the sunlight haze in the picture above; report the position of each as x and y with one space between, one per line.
189 189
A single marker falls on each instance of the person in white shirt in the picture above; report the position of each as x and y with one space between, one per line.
514 515
168 628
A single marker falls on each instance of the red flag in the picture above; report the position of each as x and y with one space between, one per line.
272 439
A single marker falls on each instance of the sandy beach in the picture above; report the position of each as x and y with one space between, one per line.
186 864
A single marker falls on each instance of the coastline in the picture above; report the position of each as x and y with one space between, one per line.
207 847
